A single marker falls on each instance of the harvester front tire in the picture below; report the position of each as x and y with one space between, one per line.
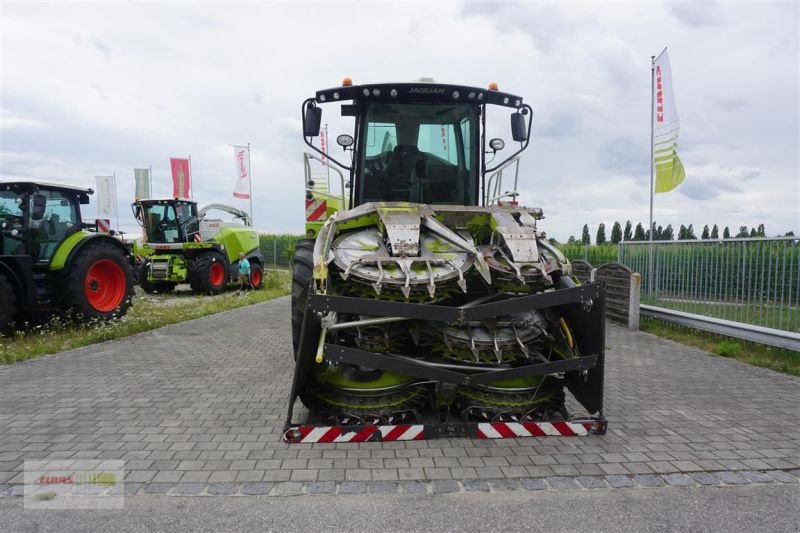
302 273
99 283
209 273
8 307
153 287
256 275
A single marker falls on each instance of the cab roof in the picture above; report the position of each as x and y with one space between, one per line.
418 92
33 185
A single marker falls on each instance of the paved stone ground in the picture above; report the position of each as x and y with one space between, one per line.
198 408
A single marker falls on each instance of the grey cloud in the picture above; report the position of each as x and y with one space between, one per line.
695 15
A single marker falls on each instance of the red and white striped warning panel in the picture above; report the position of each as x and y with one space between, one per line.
489 430
197 237
315 209
103 224
361 434
505 430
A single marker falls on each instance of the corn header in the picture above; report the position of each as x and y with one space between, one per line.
426 301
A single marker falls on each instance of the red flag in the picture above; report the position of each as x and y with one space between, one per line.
181 178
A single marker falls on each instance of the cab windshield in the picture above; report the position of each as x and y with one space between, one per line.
421 153
164 225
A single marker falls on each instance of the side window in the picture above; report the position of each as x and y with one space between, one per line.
381 138
60 210
466 137
60 215
439 140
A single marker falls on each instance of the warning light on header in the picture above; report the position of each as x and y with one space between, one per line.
493 86
347 82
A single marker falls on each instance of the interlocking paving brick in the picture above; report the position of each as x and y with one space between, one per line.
705 478
562 483
504 484
757 477
353 487
475 485
783 477
382 487
591 482
221 489
188 489
732 478
444 485
677 480
158 488
669 411
618 481
648 480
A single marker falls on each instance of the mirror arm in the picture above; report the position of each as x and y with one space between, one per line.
521 149
306 103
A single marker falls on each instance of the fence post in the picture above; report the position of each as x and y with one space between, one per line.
633 304
275 254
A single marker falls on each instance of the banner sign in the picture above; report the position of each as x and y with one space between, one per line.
669 169
181 178
241 154
142 178
106 196
323 144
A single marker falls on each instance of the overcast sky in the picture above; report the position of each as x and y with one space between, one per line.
91 89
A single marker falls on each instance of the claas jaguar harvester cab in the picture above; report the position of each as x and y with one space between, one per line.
426 300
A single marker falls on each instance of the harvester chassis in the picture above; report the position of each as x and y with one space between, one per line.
582 305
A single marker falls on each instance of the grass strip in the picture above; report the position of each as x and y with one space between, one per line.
147 312
778 359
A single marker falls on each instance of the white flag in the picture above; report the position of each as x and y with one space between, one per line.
142 178
669 169
242 156
106 196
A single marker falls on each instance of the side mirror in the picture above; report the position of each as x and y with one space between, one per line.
497 144
312 122
519 130
39 206
345 141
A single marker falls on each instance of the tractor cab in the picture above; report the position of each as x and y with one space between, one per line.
420 142
36 217
167 221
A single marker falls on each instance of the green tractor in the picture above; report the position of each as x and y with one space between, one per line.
427 302
184 245
51 262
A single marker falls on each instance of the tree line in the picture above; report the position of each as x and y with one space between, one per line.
661 233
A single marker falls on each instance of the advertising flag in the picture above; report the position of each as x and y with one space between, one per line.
181 178
106 196
142 178
666 125
323 144
241 154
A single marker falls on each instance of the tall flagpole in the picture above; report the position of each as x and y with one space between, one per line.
250 169
652 167
116 207
192 178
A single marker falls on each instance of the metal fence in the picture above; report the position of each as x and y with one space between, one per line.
751 280
278 250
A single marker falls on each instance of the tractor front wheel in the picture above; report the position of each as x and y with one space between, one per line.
99 282
7 310
209 273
